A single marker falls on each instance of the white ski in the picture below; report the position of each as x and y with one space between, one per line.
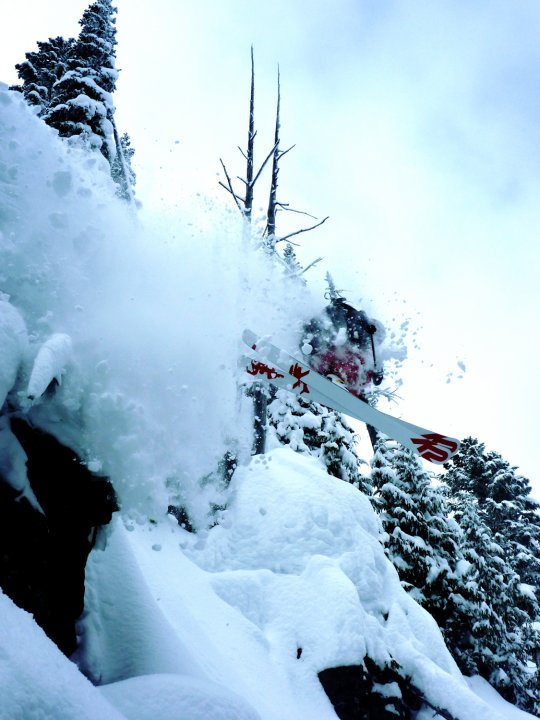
265 362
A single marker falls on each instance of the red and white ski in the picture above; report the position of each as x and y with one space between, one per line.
265 362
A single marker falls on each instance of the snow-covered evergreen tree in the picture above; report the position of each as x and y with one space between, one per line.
42 69
318 431
506 507
294 268
422 542
72 81
81 104
121 169
514 517
500 641
457 572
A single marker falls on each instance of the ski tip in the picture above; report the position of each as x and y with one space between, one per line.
435 448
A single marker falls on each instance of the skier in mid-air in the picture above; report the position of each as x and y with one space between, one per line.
339 363
340 344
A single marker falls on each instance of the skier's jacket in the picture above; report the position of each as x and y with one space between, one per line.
339 343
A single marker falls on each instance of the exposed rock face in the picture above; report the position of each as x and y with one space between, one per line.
369 692
43 555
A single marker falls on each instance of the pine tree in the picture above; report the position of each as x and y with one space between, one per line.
42 69
506 507
422 543
499 643
505 510
468 470
121 170
457 569
294 268
267 240
81 104
514 517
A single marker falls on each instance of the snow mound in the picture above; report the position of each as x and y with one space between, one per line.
37 682
291 582
169 697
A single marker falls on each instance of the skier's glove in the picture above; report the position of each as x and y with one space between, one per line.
378 377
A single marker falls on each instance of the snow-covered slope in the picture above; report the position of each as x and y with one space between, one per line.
211 626
36 681
140 319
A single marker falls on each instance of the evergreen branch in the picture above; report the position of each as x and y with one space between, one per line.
332 293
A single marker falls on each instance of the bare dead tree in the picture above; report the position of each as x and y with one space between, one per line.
248 200
272 203
244 202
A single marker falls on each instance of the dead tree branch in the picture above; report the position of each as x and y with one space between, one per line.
303 230
311 264
263 165
229 187
286 208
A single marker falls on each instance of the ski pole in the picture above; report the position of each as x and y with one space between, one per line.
377 376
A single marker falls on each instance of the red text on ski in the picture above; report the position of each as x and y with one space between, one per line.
297 373
429 447
259 368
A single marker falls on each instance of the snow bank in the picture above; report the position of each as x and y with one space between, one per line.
293 581
37 682
170 697
484 690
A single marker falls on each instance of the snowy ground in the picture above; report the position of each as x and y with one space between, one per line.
210 626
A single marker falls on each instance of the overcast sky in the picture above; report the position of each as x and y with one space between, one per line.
417 129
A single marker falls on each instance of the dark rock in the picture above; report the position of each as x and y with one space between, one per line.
368 692
43 557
